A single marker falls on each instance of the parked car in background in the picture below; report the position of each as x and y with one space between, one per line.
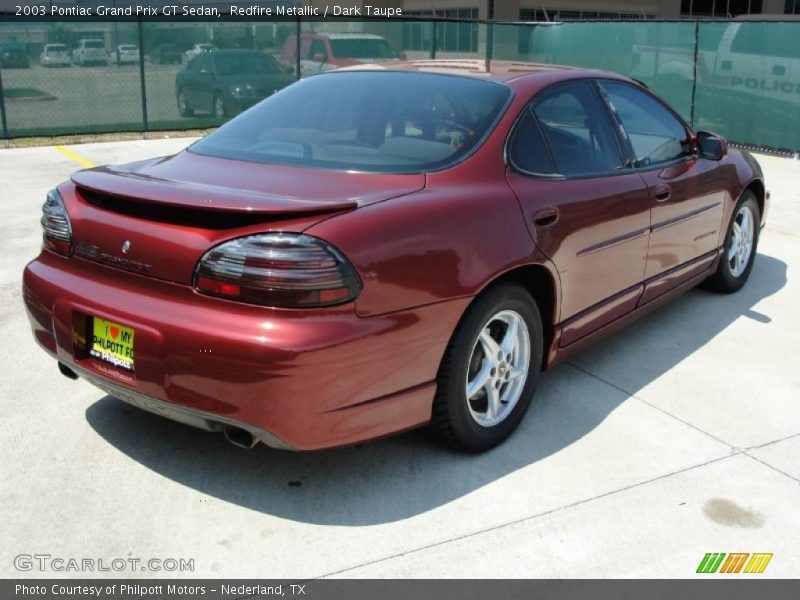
126 54
198 49
381 248
225 82
14 56
166 54
90 52
322 52
55 55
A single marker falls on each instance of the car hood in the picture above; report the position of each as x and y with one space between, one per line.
217 184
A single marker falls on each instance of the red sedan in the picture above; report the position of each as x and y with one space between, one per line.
377 249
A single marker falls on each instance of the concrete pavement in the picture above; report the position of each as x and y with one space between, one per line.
675 437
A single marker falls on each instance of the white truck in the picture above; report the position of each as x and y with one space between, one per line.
90 51
748 80
745 82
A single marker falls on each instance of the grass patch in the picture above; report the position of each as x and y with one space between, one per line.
24 93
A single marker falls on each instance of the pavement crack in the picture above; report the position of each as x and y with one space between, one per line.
773 467
525 519
653 406
765 444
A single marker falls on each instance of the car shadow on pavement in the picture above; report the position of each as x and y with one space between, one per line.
407 475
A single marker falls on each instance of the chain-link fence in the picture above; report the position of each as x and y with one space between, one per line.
738 78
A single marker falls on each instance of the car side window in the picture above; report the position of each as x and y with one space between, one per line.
577 130
527 150
656 135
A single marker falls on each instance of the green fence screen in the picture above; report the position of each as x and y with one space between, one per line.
740 79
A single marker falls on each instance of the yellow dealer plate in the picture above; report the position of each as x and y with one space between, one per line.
112 343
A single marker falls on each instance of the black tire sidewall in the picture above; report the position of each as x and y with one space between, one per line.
470 435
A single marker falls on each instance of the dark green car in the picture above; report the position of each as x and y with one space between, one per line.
226 82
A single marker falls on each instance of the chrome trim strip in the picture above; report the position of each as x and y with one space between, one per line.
614 241
684 217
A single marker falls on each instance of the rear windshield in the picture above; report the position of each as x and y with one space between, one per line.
362 48
375 121
128 48
56 48
93 44
241 63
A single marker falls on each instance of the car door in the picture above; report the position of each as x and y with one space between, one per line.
687 193
584 208
204 82
191 83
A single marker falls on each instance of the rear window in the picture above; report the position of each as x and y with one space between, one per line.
362 48
56 48
373 121
93 44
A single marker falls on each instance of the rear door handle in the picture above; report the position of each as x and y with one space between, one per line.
662 193
544 217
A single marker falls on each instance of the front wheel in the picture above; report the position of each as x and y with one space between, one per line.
741 243
489 372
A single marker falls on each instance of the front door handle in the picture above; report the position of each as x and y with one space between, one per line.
544 217
662 193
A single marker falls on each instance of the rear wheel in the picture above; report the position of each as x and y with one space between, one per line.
489 371
741 243
183 108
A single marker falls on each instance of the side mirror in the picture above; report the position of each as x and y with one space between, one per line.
711 145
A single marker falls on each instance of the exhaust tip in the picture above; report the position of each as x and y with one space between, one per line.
66 371
240 437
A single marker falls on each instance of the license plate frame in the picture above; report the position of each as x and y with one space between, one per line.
111 343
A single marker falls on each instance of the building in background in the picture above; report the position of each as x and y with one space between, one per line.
561 10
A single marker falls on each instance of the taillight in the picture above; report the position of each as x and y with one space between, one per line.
278 269
55 224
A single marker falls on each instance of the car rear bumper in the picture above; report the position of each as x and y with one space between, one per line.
300 379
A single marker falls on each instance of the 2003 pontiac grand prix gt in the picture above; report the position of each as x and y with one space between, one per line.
382 248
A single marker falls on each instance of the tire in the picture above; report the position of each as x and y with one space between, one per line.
739 250
468 423
218 108
183 108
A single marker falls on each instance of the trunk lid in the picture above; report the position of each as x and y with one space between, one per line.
158 217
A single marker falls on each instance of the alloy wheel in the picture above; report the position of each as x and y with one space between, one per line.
740 247
498 368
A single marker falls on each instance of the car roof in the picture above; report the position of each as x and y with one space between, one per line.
497 70
237 51
350 36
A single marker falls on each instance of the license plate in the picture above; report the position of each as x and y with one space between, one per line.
112 343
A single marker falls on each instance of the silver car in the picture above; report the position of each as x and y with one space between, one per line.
55 55
126 54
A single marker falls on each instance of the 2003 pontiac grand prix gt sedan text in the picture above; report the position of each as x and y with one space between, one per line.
382 248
